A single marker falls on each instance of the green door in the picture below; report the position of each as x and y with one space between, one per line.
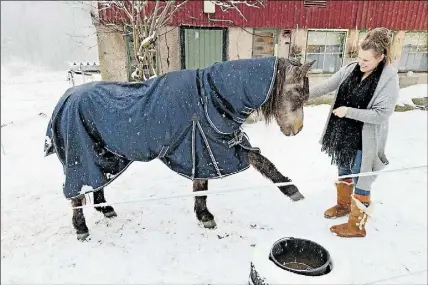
202 47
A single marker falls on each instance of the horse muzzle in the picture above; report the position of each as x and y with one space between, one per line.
291 130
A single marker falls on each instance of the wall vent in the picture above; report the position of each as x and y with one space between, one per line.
315 3
209 7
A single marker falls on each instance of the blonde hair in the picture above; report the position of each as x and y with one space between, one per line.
379 40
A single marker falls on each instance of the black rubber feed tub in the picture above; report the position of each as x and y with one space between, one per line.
301 256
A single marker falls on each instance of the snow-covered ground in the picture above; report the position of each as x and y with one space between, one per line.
161 241
410 92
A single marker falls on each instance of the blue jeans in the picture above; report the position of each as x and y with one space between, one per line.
354 169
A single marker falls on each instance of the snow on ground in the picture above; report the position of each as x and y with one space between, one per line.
161 241
410 92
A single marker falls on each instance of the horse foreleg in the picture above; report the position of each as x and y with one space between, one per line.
201 210
268 169
99 198
78 219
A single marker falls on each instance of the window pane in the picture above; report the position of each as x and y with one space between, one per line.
333 48
418 62
316 38
412 63
403 58
423 39
424 62
334 41
263 43
332 63
423 42
335 38
413 48
423 48
315 49
414 55
329 45
266 37
317 66
411 39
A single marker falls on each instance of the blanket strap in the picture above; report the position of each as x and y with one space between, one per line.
238 136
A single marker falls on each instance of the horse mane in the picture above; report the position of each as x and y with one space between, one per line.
269 109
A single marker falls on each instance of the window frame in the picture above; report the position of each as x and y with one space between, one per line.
275 40
345 32
404 67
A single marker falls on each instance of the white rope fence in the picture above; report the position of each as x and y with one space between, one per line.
216 192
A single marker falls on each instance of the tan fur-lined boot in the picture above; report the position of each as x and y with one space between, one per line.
344 189
355 227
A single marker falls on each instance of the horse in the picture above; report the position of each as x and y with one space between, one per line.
189 119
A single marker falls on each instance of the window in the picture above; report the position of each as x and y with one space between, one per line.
326 47
264 42
414 54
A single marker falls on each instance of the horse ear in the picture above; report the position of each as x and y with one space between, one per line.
305 68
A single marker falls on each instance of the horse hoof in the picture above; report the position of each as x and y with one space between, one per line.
297 196
111 214
209 224
82 237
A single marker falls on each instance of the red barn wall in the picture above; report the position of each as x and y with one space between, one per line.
395 15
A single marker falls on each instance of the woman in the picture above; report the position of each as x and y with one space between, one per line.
355 135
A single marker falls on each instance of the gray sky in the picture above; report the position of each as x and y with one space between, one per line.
47 33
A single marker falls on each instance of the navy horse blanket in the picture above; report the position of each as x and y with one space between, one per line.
189 119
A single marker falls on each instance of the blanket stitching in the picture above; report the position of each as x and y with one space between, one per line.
209 149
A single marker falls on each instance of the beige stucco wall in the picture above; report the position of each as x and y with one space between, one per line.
240 43
298 42
169 49
351 46
284 44
396 47
112 55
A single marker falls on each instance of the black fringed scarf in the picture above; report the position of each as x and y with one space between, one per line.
342 138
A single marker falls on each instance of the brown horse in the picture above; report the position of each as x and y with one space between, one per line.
283 102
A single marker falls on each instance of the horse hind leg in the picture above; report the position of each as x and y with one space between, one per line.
99 198
201 210
78 219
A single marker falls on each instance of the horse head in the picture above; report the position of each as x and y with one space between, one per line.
290 92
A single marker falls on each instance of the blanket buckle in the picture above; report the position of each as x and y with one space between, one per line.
237 139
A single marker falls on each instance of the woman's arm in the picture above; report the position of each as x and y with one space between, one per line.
328 85
382 108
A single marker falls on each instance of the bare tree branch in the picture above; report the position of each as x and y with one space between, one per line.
176 8
232 5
